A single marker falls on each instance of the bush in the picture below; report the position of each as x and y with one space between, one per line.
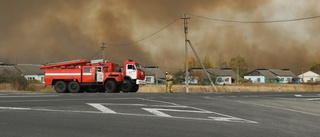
18 82
244 81
5 76
15 79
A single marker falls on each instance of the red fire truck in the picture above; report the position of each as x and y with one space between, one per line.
93 76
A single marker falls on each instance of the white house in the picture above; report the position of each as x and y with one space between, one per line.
31 72
154 75
271 76
256 79
309 76
224 76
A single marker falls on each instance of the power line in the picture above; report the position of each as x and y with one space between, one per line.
95 54
136 41
256 22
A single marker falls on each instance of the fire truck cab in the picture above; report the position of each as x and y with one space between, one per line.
133 76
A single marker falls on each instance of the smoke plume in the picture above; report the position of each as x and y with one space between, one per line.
39 31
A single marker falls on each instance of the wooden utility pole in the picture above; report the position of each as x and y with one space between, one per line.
103 47
185 18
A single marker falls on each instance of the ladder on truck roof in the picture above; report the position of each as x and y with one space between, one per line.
65 64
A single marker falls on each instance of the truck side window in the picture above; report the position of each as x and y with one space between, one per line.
98 69
87 70
130 66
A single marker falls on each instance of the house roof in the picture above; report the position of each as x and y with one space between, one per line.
308 74
316 71
272 73
283 72
30 69
267 73
223 72
216 72
10 68
154 71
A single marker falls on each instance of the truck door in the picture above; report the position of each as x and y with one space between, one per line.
99 74
132 71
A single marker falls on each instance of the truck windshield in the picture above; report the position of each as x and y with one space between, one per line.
139 67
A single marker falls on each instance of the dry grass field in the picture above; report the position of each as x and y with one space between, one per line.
250 87
235 88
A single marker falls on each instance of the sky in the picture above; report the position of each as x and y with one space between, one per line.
39 31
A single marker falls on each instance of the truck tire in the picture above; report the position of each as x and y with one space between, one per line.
135 88
74 87
110 86
127 85
60 87
119 88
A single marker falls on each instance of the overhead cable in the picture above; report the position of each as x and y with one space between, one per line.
136 41
95 54
256 22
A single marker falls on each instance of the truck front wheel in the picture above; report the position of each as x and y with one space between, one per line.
110 86
135 88
60 87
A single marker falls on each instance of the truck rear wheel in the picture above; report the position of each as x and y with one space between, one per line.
74 87
60 87
110 86
127 85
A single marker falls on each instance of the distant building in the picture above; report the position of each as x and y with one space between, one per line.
154 75
271 76
224 76
310 76
31 72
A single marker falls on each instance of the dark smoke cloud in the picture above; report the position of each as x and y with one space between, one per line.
35 31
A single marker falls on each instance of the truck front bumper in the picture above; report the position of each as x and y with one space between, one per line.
139 81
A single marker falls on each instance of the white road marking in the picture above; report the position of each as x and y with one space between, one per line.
159 101
310 99
48 100
141 105
156 112
231 119
256 104
298 95
14 108
160 110
102 108
28 96
222 119
124 114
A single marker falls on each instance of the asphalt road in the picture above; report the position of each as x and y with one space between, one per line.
160 114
